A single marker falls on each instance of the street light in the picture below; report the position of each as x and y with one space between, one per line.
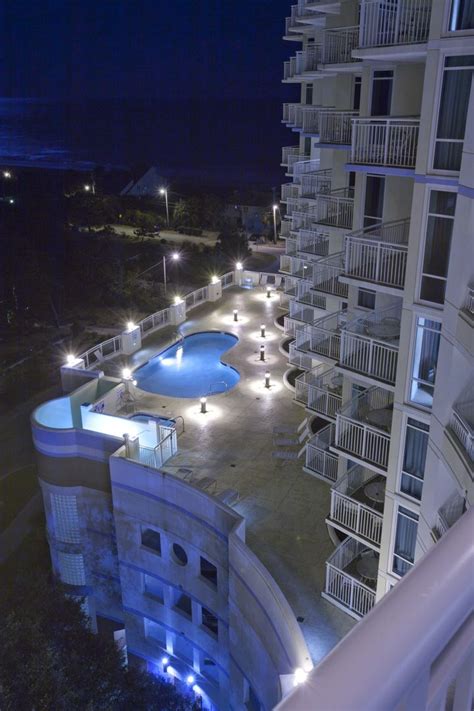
90 188
7 174
275 208
175 257
164 191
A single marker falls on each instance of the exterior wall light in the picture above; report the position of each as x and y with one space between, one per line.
7 174
70 360
236 315
214 279
267 379
203 402
130 326
239 265
262 330
262 352
165 661
126 374
177 300
190 680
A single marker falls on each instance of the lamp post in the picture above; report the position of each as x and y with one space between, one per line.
275 208
164 191
90 188
175 256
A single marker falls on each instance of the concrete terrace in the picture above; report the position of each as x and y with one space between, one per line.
284 508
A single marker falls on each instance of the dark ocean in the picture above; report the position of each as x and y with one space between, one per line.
224 141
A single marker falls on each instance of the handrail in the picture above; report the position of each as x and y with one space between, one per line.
218 382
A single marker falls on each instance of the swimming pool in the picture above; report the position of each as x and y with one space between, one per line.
191 368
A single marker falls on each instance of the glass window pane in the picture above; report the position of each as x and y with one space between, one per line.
442 202
462 15
452 118
374 194
414 458
405 541
381 94
433 290
425 361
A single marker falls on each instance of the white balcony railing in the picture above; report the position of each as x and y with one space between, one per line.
326 273
391 142
370 343
468 306
323 337
461 424
378 253
301 360
288 151
305 166
318 457
400 22
310 123
315 183
288 112
313 242
305 295
320 390
338 44
429 665
291 247
335 127
352 514
363 427
296 267
285 228
336 208
343 586
290 191
300 312
293 160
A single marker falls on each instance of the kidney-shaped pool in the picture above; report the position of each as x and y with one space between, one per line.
190 368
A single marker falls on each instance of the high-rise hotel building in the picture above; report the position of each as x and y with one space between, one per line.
379 266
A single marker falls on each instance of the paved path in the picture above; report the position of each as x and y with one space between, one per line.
284 508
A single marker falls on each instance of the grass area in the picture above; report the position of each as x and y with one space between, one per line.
259 261
16 489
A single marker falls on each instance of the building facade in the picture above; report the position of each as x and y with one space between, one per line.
379 266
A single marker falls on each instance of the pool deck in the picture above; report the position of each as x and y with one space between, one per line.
284 508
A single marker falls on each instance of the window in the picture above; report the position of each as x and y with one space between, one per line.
308 95
405 541
462 15
71 568
357 88
425 359
209 621
351 185
183 604
179 554
151 539
453 112
153 588
156 632
65 518
374 196
414 457
366 298
439 229
382 82
208 571
307 146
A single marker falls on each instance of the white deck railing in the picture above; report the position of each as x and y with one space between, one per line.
338 44
305 166
336 127
318 457
385 141
291 246
320 390
324 336
102 351
195 298
288 151
468 305
285 228
352 514
378 253
459 424
414 650
336 208
363 427
304 220
300 312
305 295
370 343
345 588
156 456
316 182
293 159
402 22
326 273
313 242
288 112
310 122
294 266
301 360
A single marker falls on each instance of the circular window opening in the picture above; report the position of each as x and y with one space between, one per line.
179 554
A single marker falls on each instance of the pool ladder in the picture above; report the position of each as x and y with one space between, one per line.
218 382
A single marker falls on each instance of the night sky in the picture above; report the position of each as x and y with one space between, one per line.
74 49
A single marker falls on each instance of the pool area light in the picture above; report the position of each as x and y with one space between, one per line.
262 352
214 279
269 292
175 256
300 676
177 300
203 402
126 374
190 680
267 379
131 326
236 315
165 661
239 265
262 330
87 188
70 360
7 174
11 201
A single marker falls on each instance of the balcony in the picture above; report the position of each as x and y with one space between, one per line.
306 297
336 208
299 315
296 267
310 123
313 242
326 273
320 390
388 142
378 254
319 459
335 127
363 428
338 44
305 166
461 424
384 25
323 338
345 584
291 247
450 512
357 504
285 228
370 343
290 191
301 360
315 183
289 112
304 220
288 151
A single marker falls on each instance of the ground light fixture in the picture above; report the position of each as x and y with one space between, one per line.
236 315
203 402
267 379
165 661
269 292
262 330
190 680
262 352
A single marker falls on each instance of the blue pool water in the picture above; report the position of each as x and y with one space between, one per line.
192 368
143 417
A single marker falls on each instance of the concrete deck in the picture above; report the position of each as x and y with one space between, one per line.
284 508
